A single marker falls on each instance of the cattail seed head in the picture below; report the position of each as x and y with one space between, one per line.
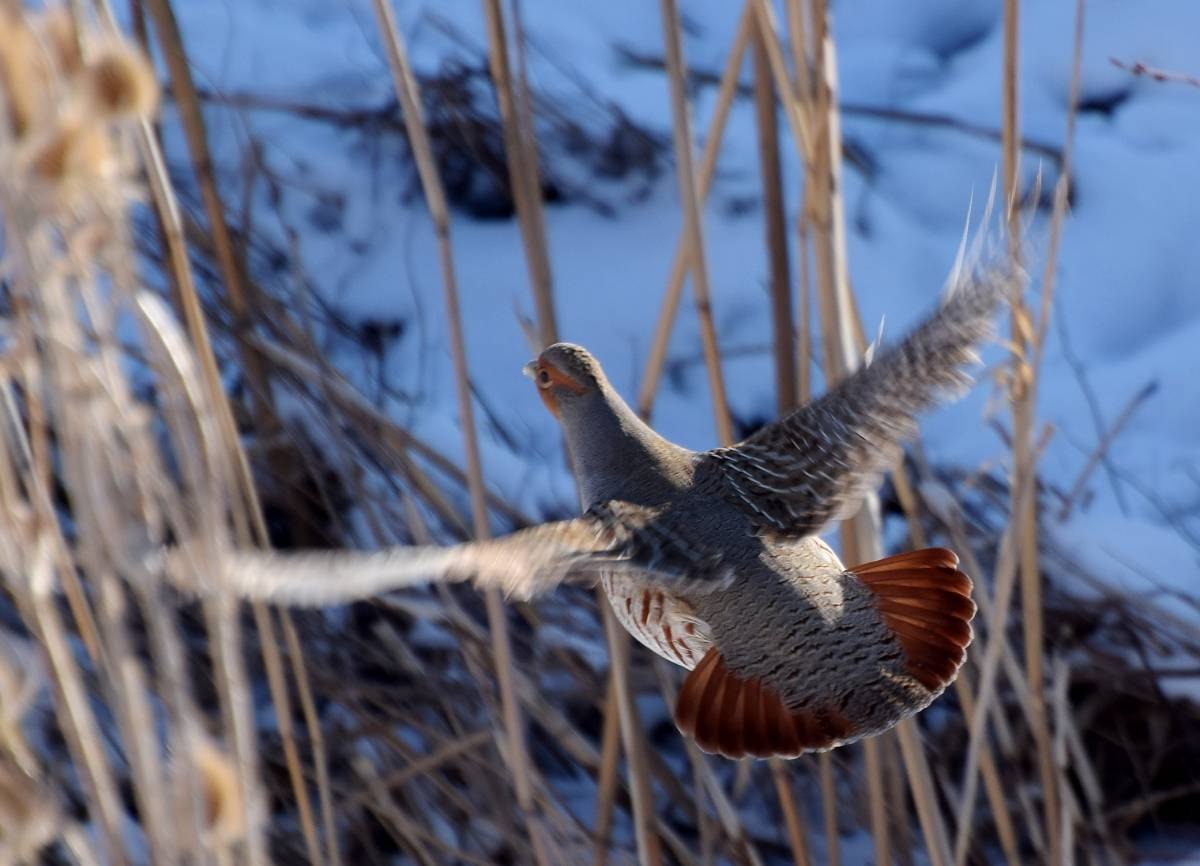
25 74
73 151
226 813
119 82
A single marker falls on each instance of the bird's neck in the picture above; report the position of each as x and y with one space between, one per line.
616 455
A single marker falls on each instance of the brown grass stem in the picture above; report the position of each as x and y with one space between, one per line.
170 40
640 792
520 150
693 217
1024 386
726 91
406 89
780 278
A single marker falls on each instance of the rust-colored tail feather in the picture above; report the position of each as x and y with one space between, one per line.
926 602
743 717
921 596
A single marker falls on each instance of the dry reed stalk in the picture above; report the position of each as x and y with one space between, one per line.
1005 580
780 284
55 219
170 40
705 830
797 829
1022 506
875 767
277 683
829 809
74 713
860 534
829 220
304 691
802 117
691 256
606 783
804 302
693 218
665 674
404 827
798 29
543 285
987 766
520 151
783 341
920 782
900 836
838 324
189 425
37 608
188 103
85 458
801 108
1060 847
1062 195
40 463
992 785
727 815
726 91
135 720
640 792
312 724
341 394
406 90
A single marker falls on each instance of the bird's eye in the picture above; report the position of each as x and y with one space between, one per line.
543 379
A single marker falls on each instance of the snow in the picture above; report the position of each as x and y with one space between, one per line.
1125 287
1125 283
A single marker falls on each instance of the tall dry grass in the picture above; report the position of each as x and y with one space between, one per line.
119 438
97 476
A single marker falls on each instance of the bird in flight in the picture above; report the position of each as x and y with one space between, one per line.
712 558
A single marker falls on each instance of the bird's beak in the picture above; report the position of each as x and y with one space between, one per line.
530 370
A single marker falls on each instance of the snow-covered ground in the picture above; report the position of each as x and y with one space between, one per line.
1127 303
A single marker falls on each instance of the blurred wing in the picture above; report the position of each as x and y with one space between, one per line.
614 536
815 465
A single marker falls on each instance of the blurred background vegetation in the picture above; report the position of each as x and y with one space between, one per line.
178 360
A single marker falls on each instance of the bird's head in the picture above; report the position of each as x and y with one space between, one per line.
608 443
567 378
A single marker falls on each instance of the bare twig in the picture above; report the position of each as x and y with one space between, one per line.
1141 70
1106 441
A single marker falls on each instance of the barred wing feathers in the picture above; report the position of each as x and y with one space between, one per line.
814 466
611 537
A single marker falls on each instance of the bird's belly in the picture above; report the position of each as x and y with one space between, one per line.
660 622
819 643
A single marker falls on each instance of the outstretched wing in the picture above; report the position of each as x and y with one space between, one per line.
613 536
815 465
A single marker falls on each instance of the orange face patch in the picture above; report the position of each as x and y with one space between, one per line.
548 377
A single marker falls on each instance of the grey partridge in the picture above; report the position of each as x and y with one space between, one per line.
711 559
